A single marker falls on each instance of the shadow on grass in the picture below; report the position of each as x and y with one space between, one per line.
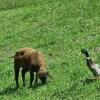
11 90
36 86
8 90
88 81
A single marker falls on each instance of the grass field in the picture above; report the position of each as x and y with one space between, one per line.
60 28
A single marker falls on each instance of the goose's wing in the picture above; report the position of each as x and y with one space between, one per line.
95 68
97 65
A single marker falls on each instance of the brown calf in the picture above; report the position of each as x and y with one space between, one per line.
32 61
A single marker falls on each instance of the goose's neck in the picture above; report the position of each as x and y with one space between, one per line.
87 55
89 61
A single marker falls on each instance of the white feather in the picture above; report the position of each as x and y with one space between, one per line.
96 69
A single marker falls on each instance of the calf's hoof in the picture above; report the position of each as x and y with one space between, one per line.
30 86
24 84
17 86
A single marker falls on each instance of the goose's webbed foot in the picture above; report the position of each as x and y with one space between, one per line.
95 78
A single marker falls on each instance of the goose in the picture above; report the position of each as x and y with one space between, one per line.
93 67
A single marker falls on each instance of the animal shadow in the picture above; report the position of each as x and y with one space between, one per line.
8 90
88 81
36 86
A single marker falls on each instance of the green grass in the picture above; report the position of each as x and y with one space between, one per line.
9 4
58 27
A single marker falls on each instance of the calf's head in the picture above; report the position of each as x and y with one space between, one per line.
43 77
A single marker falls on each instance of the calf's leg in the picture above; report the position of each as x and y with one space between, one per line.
36 79
23 76
31 77
16 70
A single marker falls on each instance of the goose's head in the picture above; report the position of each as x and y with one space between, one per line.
85 51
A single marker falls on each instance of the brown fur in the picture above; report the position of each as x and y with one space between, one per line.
30 60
